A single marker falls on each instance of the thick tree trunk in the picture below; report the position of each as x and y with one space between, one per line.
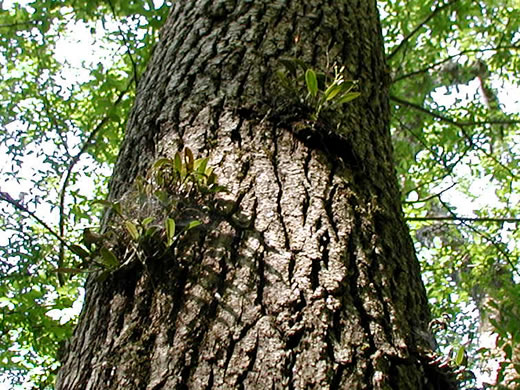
310 280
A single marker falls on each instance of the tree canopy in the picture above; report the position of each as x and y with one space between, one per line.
453 66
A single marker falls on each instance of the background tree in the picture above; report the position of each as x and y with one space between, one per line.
442 147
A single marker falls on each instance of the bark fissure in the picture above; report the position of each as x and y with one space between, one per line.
356 291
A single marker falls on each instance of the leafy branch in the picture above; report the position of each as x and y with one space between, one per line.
125 41
463 219
450 58
18 205
88 143
418 27
461 125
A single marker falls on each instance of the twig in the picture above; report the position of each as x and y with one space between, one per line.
7 198
452 121
463 219
436 195
16 24
447 59
484 235
74 161
448 169
417 28
125 41
461 125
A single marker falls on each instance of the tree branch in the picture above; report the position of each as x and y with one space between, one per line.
125 41
484 235
417 28
464 219
452 121
89 142
16 24
447 59
461 125
436 195
18 205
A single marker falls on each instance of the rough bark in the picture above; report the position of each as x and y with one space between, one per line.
310 280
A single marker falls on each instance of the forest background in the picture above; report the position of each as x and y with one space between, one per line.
455 72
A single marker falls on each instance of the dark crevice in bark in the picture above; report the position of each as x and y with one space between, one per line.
260 268
290 267
198 329
252 359
235 133
364 319
232 343
329 201
178 291
279 209
234 248
324 241
306 164
215 114
305 204
211 379
315 273
292 342
160 385
337 376
317 225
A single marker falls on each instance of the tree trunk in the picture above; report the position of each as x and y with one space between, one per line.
309 281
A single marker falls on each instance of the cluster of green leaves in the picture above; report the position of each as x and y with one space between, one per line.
455 145
315 89
60 126
153 217
504 316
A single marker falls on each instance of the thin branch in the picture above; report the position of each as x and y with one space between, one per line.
452 121
438 159
463 219
447 59
89 142
484 235
418 27
7 198
52 118
436 195
29 22
461 125
125 41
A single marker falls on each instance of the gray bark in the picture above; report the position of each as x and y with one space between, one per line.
310 280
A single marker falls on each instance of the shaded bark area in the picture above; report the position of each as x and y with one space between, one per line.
308 278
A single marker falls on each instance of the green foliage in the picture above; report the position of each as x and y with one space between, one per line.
150 219
60 126
318 90
454 142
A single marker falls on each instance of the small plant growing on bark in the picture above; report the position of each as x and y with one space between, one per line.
174 198
317 89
